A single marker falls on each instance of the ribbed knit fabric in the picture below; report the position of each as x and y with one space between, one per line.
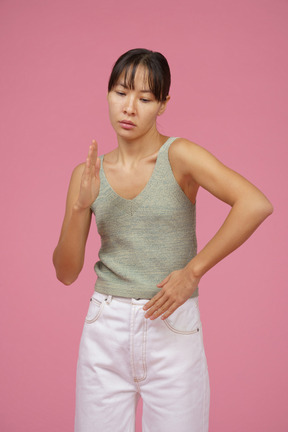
146 238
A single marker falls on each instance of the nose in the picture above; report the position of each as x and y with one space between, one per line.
129 106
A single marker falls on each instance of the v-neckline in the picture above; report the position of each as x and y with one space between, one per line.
147 185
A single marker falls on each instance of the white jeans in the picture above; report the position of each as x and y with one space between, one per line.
123 356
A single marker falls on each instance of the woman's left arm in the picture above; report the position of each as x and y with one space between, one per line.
193 167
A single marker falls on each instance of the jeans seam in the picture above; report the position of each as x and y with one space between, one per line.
132 320
183 332
132 349
144 352
91 321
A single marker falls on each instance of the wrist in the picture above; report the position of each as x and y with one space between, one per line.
196 268
77 208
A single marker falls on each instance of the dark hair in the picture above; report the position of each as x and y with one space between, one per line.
159 77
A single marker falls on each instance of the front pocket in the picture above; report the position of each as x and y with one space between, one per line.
186 318
94 310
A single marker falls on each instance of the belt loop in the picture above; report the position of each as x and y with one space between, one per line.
108 299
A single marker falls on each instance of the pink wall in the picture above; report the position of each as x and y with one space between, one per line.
229 94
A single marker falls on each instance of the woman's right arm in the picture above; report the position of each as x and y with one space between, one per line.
68 257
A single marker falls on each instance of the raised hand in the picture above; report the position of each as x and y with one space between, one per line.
90 181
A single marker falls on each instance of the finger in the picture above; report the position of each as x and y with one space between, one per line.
91 161
159 305
86 172
169 311
97 167
88 159
161 310
164 281
94 152
152 301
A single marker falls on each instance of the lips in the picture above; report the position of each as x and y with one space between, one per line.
127 124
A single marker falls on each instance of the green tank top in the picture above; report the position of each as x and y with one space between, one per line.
145 238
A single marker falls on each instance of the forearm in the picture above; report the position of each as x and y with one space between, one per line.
68 257
241 222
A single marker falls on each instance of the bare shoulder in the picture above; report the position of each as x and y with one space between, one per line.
77 175
182 156
78 170
75 182
183 144
180 144
196 165
187 154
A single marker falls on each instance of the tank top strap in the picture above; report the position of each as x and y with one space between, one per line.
166 145
163 167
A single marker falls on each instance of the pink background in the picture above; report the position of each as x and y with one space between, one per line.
229 94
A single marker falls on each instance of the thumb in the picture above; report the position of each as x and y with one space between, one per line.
97 167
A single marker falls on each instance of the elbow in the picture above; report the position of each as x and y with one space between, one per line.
270 209
263 209
66 279
66 272
267 208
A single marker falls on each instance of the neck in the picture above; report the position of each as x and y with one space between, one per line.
132 151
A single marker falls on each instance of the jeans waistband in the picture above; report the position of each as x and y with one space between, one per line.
109 298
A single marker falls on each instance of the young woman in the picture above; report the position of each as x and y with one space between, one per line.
143 334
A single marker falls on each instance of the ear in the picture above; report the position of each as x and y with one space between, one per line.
163 106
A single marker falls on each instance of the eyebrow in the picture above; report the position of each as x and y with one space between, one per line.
141 91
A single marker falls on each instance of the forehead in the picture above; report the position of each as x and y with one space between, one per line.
135 78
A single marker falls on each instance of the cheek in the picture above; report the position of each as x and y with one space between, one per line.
151 116
113 110
112 117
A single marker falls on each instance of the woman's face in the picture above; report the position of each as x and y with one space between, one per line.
133 112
